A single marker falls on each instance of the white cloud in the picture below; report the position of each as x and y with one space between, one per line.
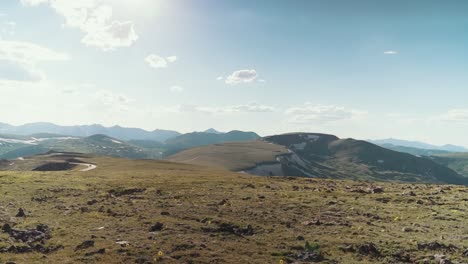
171 58
8 28
19 60
112 100
117 34
220 78
454 115
158 62
310 113
262 80
33 2
391 52
242 76
251 108
94 19
176 89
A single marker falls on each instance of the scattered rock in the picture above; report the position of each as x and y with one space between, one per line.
347 249
375 189
91 202
359 190
86 244
223 202
441 259
316 222
410 193
232 229
40 234
99 251
156 227
436 246
21 213
20 249
368 249
165 213
407 229
123 243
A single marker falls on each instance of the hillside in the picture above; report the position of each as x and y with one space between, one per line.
415 151
196 139
233 156
96 144
456 161
141 211
327 156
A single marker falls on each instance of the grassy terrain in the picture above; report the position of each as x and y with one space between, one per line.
456 161
232 156
320 156
195 139
206 213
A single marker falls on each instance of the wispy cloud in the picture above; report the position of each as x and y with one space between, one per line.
459 115
176 89
390 52
252 107
158 62
19 60
94 19
316 113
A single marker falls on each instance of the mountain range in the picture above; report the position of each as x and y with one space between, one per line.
118 132
15 146
418 144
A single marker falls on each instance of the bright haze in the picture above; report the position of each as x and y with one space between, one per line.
363 69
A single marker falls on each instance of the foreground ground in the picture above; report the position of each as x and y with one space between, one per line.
127 211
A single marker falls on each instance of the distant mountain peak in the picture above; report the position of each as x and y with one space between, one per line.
213 131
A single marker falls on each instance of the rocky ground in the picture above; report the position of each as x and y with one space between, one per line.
130 211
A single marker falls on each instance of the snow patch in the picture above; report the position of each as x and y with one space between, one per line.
300 146
115 141
32 140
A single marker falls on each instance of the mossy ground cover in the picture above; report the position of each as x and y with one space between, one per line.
203 215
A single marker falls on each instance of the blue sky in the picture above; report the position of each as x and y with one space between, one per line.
363 69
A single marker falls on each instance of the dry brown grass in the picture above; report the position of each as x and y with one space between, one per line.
233 156
193 202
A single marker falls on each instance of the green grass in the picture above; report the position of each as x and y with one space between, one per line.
456 161
194 202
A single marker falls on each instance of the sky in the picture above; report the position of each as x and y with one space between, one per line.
364 69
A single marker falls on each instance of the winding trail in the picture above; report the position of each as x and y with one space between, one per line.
88 166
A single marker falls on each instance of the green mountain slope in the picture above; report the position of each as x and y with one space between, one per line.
456 161
325 156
